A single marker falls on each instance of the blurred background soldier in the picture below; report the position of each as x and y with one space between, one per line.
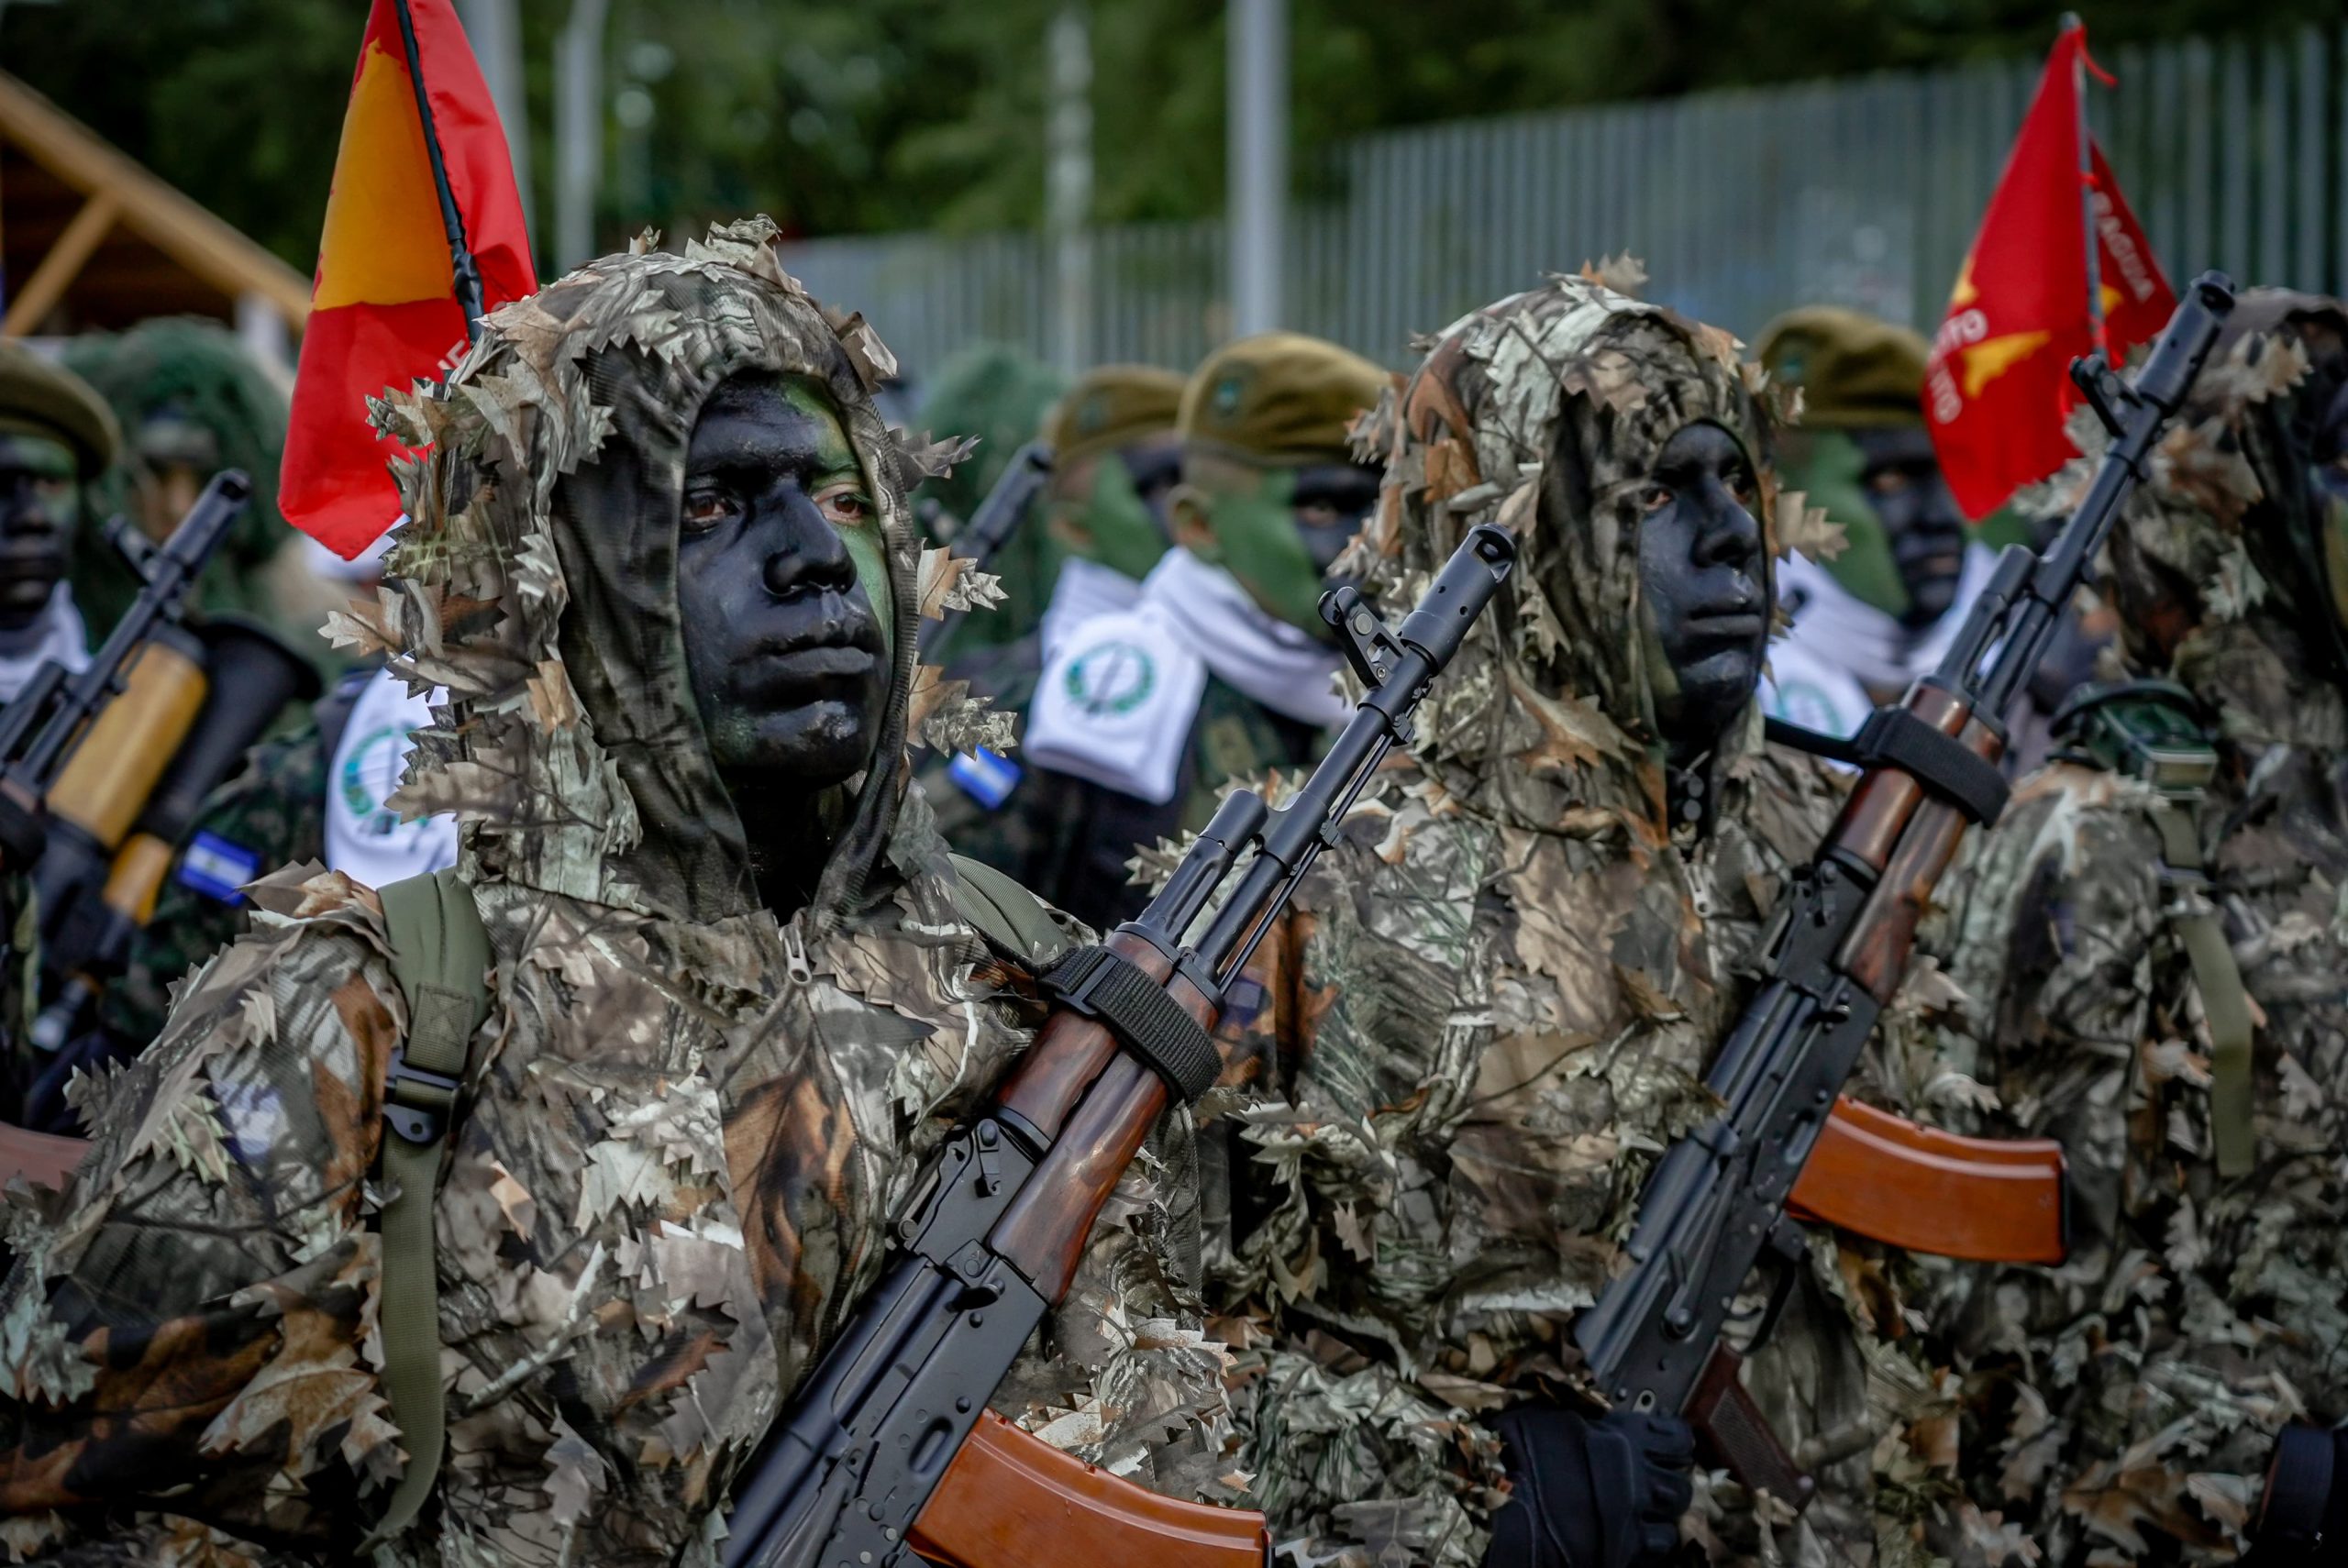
1223 668
1875 616
1116 457
1001 396
191 401
56 437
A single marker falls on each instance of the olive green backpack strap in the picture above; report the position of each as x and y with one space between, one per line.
1010 917
2225 1003
2154 731
440 957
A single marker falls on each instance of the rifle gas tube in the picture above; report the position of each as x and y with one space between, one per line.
1715 1203
990 526
845 1474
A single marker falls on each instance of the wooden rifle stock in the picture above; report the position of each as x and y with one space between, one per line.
1013 1498
42 1158
1987 1199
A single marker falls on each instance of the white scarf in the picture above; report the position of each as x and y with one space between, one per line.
1267 659
57 635
1085 590
1834 627
1120 692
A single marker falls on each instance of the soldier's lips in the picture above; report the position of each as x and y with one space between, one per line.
823 661
1727 625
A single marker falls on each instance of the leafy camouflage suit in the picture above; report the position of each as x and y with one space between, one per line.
686 1122
2123 1408
1497 995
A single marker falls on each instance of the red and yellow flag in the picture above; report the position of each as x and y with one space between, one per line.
1998 384
383 308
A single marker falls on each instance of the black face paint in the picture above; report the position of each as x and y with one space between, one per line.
1331 501
1156 468
38 502
1702 583
786 657
1901 479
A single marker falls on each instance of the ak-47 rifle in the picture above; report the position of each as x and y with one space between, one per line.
990 526
148 673
1716 1202
851 1473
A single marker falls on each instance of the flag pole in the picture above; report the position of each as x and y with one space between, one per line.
2071 23
461 253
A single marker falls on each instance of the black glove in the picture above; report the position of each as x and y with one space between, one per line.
2303 1517
1591 1494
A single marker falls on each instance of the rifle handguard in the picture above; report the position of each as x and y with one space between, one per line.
1096 983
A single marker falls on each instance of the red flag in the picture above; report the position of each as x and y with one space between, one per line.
1997 385
383 305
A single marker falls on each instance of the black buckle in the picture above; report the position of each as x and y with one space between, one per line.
415 1102
1094 982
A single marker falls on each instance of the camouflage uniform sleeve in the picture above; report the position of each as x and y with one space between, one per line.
275 809
189 1320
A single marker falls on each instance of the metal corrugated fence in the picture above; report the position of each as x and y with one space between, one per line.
1863 192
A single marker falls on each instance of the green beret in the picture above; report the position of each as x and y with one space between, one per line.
1277 399
37 398
1113 406
1855 371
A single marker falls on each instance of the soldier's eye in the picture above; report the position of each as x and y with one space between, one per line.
1655 498
843 505
706 508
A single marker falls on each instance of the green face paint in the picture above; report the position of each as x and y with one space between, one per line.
1126 538
838 467
1824 464
1256 541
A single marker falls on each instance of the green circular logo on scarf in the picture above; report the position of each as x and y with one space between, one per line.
1111 680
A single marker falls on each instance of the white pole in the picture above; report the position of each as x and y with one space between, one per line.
578 130
495 30
1257 158
1068 210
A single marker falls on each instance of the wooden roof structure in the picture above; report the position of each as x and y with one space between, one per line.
91 240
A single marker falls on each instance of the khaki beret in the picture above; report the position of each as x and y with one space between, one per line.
1855 371
1279 399
1113 406
37 398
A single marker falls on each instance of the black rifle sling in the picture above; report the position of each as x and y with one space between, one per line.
1897 737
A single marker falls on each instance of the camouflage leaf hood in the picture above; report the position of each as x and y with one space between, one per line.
2203 565
538 583
1545 413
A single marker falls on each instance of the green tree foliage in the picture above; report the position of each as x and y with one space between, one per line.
918 114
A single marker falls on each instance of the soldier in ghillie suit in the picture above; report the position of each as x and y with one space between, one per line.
999 396
1222 668
2152 946
661 562
1499 990
191 400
